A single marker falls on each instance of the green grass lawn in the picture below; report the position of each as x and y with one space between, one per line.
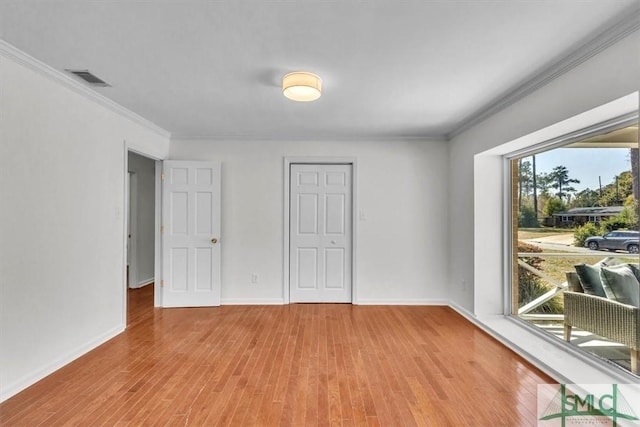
533 233
546 230
555 267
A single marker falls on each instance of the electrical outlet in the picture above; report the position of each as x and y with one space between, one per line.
254 278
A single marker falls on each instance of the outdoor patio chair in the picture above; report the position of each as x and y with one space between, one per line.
605 317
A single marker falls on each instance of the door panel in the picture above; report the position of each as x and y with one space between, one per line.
320 233
191 228
178 264
204 207
334 266
335 214
307 268
336 179
308 214
179 213
308 178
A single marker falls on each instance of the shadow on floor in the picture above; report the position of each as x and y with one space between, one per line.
598 346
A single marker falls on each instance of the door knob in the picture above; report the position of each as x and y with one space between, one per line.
333 242
214 240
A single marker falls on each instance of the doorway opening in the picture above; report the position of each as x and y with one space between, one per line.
141 240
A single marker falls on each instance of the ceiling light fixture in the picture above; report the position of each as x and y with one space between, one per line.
301 86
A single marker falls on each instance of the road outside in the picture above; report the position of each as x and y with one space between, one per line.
552 242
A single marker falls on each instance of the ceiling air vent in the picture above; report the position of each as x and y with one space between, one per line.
88 77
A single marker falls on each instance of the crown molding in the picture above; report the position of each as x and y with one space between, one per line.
306 138
620 29
9 51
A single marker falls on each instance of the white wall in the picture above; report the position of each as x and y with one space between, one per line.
62 166
402 190
145 181
477 224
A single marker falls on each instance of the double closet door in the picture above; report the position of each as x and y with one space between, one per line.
320 235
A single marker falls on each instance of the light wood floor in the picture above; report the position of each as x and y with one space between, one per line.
294 365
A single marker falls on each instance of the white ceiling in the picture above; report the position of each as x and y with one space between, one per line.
390 68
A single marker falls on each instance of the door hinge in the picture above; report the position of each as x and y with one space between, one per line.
162 229
162 176
162 283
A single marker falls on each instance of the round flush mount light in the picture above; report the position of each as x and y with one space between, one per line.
301 86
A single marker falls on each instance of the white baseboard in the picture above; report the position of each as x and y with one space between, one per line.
252 301
143 283
388 301
8 390
280 301
464 312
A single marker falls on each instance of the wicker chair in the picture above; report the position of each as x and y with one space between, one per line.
601 316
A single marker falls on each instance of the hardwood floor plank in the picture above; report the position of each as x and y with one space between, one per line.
302 364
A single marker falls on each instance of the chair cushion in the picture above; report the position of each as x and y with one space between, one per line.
590 279
621 284
611 274
636 270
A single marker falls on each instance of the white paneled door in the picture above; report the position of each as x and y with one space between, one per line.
190 234
320 233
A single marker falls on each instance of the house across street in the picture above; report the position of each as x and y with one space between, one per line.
580 216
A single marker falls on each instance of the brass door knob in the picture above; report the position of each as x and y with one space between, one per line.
214 240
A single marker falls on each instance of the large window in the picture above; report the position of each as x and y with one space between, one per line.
575 243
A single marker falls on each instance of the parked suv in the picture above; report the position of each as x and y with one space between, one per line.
615 240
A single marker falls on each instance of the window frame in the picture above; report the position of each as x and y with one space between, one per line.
508 158
486 304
